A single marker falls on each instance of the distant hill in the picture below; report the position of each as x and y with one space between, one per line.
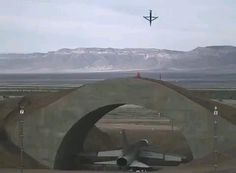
212 59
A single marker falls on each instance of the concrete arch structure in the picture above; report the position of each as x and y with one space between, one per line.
55 127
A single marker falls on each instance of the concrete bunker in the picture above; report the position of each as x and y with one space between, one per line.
52 129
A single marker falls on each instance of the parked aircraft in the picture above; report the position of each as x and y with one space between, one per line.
134 156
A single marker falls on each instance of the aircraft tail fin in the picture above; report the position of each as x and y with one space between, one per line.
124 139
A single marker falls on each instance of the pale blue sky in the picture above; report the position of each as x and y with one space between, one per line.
44 25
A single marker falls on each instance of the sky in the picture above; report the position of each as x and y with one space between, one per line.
48 25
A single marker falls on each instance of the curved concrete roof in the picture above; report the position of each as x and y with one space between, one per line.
226 111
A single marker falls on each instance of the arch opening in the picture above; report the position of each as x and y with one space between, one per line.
73 142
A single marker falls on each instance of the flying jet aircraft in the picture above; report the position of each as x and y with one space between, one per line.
134 156
150 18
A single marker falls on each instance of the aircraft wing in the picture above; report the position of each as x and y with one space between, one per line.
138 164
151 155
170 157
112 162
161 156
154 18
146 17
110 153
102 154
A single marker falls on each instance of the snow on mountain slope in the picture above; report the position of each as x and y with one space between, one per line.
202 59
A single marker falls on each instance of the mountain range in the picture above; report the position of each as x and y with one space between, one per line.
211 59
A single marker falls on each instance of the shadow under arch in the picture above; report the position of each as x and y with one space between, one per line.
72 143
